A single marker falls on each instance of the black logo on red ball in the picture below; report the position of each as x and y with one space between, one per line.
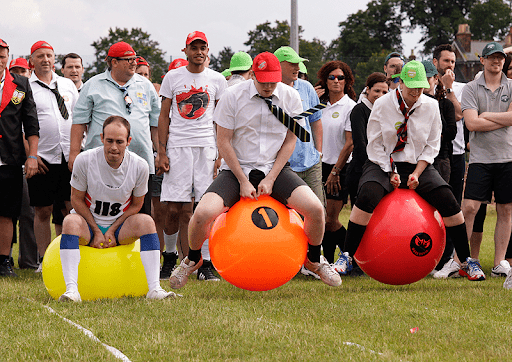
421 244
265 218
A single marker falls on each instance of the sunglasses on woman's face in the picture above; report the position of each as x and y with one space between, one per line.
333 77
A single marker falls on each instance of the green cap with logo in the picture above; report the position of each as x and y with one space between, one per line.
413 75
492 48
289 55
430 68
240 61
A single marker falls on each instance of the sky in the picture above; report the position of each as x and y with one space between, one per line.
72 25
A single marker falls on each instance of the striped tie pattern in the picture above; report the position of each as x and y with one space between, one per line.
401 132
60 101
288 121
311 111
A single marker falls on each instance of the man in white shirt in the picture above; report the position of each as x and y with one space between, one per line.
55 98
256 147
187 150
108 188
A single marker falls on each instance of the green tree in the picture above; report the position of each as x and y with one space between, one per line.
268 38
367 32
438 20
221 62
141 43
490 20
363 69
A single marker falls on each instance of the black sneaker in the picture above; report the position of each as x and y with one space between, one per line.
6 269
168 265
356 272
205 272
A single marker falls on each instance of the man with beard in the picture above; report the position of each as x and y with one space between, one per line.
186 149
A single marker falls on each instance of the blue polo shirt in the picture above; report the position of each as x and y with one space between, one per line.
101 98
305 154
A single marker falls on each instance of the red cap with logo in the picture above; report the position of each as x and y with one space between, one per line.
121 49
177 63
19 62
41 44
196 35
3 44
142 61
267 68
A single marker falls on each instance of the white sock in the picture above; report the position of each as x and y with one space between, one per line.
69 259
151 262
170 243
205 250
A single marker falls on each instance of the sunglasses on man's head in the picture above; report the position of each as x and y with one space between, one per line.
333 77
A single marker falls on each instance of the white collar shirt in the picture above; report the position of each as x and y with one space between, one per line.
257 133
54 130
423 131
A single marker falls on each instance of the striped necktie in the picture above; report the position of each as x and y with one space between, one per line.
127 100
60 101
288 121
310 111
401 132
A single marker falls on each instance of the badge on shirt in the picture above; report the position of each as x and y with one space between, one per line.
65 97
335 115
505 98
142 98
17 97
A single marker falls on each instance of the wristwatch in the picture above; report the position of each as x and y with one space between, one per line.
449 90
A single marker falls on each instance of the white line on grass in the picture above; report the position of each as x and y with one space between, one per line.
360 347
117 353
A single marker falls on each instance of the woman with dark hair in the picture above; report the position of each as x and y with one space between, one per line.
336 80
376 86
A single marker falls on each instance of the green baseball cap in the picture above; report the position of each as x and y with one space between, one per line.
492 48
413 75
289 55
226 73
240 61
430 69
302 68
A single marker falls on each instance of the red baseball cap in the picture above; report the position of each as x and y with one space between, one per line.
41 44
121 49
196 35
267 68
20 63
177 63
3 44
142 61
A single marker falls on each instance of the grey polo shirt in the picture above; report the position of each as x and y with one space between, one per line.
493 146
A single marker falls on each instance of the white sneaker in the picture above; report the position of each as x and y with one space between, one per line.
501 270
508 282
325 271
307 272
70 296
179 276
159 294
39 268
449 270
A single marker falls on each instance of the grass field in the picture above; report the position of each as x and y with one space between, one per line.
304 320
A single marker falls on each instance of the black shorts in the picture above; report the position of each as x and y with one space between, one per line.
11 184
226 185
343 193
484 178
53 186
428 180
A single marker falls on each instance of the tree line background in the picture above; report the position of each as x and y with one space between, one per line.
365 37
